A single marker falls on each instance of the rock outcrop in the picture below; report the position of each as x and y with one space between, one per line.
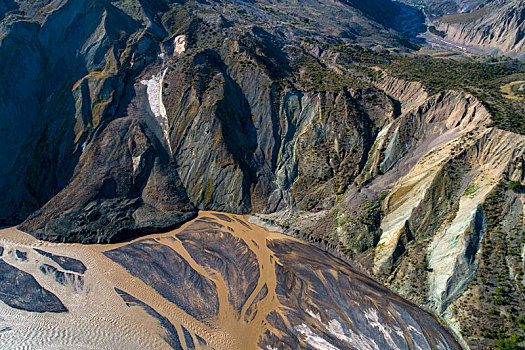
149 110
438 8
153 110
416 216
497 28
124 185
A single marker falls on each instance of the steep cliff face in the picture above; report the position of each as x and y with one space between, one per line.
45 137
434 225
124 185
227 108
155 109
497 28
417 216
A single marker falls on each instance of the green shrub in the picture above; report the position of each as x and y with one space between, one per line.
515 186
471 190
437 32
510 343
481 79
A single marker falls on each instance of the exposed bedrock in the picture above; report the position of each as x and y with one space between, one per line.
240 140
497 28
441 201
20 290
124 185
56 49
417 215
149 112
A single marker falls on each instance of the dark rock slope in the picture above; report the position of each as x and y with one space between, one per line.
120 116
123 185
125 117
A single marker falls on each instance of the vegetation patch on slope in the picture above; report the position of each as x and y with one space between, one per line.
466 17
481 79
491 310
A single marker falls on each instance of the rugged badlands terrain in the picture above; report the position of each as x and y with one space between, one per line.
495 27
125 118
218 282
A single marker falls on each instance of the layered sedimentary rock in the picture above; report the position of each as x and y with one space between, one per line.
153 110
150 109
497 28
418 218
